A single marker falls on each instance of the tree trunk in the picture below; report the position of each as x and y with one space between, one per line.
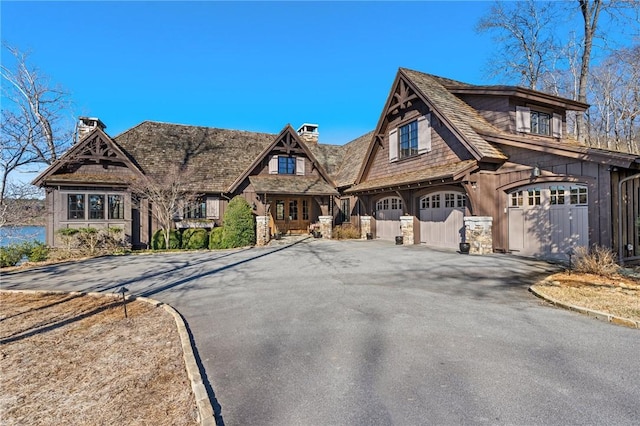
590 12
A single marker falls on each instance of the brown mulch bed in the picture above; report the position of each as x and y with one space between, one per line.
619 296
72 359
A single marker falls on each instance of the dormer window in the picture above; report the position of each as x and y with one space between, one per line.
538 122
286 165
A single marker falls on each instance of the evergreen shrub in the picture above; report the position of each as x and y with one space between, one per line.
239 228
157 241
215 239
195 239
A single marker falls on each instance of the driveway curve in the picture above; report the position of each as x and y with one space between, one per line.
369 333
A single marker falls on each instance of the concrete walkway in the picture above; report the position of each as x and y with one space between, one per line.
369 333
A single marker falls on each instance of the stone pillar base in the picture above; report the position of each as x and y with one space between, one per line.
326 226
365 227
262 230
478 234
406 226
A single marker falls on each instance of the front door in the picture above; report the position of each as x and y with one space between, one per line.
291 214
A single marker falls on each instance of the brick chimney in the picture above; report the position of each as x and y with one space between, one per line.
309 132
87 124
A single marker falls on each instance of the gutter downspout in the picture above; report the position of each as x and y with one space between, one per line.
620 248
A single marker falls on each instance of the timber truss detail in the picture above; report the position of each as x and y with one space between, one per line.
96 150
403 98
288 144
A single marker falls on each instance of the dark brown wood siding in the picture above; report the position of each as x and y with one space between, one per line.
445 148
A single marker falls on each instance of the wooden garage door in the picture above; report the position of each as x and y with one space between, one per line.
442 219
388 212
548 220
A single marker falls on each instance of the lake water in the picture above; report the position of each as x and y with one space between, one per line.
19 234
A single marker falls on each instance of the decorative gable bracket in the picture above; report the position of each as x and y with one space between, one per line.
402 99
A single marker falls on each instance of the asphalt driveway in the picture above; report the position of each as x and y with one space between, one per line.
369 333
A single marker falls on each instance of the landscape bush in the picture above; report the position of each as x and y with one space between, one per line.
36 251
239 228
195 239
215 239
68 236
598 260
158 243
10 255
33 251
346 231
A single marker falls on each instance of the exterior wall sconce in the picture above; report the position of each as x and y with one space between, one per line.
254 206
474 185
536 171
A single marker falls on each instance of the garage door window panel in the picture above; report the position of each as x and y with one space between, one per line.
517 199
557 195
578 195
534 197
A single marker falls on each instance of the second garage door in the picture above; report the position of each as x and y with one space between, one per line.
442 219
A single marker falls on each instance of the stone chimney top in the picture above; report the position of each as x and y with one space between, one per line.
87 124
309 132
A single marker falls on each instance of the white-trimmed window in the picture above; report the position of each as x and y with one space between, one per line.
394 203
517 199
557 195
533 196
578 195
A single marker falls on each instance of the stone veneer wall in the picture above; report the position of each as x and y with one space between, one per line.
406 225
365 226
326 226
478 234
262 230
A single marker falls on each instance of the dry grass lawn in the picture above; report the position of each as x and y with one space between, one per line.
617 295
71 359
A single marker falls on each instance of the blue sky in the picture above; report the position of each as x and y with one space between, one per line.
244 65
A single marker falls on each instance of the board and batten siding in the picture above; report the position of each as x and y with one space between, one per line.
594 175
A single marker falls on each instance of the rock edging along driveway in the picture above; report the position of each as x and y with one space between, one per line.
205 410
602 316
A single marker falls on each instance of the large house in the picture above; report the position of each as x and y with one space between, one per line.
448 162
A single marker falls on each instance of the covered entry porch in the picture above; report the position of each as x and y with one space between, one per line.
293 203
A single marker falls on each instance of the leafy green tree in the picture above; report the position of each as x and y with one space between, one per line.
239 228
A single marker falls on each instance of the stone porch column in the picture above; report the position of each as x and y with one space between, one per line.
477 231
326 226
262 230
365 226
406 226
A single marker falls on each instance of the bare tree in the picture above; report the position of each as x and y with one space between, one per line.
615 98
523 30
37 125
167 194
